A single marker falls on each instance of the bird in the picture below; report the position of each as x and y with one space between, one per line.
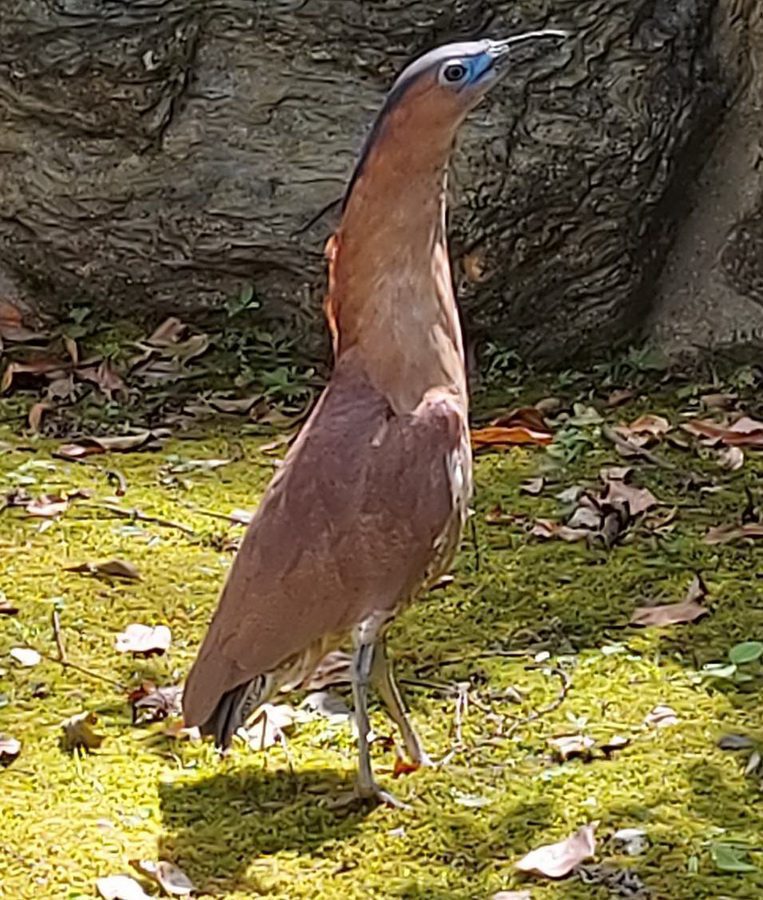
367 510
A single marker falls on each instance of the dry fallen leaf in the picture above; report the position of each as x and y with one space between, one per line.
9 749
79 733
570 746
48 506
639 500
171 879
559 859
269 726
520 426
25 656
731 458
533 486
724 534
120 887
126 443
512 895
36 413
153 704
620 396
744 432
645 430
687 610
113 568
39 368
144 640
661 717
669 614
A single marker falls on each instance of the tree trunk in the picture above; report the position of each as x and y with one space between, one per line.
159 155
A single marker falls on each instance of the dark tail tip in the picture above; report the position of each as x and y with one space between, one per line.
233 710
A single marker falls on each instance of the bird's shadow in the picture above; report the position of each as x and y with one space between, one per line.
216 829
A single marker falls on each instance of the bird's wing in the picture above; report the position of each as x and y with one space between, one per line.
348 527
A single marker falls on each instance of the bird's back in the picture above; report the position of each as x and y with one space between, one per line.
355 521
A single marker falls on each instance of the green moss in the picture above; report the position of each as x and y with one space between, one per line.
250 825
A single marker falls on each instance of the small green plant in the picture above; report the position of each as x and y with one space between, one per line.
743 664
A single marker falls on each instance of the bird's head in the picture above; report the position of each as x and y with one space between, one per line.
455 77
432 95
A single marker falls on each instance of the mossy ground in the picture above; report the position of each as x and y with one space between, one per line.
251 825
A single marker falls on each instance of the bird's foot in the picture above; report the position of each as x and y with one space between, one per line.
366 795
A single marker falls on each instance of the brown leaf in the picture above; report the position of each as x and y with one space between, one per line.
71 348
745 432
144 640
47 506
719 401
9 749
36 414
533 486
12 327
559 859
169 332
642 432
169 877
521 426
547 528
105 377
620 396
639 500
234 405
126 443
724 534
34 369
403 766
615 473
113 568
79 733
153 704
669 614
571 746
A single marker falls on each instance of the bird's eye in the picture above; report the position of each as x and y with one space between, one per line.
454 72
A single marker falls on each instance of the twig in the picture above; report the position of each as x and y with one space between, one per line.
633 449
137 516
56 620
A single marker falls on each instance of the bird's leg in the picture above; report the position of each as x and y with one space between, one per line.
362 665
383 680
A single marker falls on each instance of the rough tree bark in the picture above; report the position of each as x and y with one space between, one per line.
158 154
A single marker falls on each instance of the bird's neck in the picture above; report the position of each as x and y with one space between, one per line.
390 299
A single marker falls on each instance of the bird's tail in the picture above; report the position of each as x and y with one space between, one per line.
235 707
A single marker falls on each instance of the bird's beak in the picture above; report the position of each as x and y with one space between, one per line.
525 48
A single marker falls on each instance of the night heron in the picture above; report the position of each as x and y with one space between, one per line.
368 508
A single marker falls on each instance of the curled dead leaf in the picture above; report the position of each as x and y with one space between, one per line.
525 425
170 878
533 486
559 859
112 568
725 534
731 458
154 704
571 746
79 732
669 614
126 443
269 726
744 432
